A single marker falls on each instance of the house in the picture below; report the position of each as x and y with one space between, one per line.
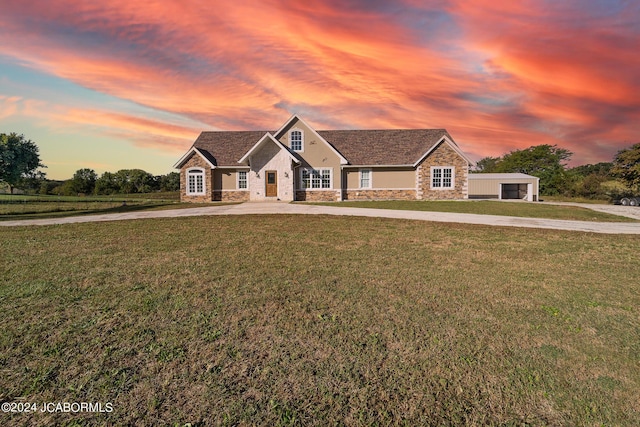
504 186
296 162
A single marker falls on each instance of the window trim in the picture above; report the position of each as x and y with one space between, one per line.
369 178
196 173
441 178
301 140
318 178
246 180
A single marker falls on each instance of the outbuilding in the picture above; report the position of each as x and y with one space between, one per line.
504 186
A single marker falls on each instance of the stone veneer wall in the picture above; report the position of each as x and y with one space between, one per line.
231 196
199 162
318 196
379 194
444 156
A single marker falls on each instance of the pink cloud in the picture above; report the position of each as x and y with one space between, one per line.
499 75
9 106
575 68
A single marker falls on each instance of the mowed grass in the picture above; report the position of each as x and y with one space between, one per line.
488 207
159 195
38 207
317 320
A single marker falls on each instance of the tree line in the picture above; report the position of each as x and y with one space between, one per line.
20 161
125 181
613 180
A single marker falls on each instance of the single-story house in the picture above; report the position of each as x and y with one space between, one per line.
296 162
504 186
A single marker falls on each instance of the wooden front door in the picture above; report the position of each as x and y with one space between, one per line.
271 189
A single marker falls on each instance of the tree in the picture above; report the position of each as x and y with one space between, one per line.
134 181
66 188
47 186
486 165
169 182
84 181
107 184
32 182
602 168
19 159
536 159
547 162
587 181
626 166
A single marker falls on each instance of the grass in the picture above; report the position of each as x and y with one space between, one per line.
320 321
590 201
22 198
488 207
38 207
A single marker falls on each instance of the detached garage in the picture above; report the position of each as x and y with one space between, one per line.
503 186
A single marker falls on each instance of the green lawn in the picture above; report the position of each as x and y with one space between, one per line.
160 196
18 207
318 320
489 207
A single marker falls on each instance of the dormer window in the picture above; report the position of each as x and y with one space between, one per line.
295 138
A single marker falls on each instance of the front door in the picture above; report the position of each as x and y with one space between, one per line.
271 189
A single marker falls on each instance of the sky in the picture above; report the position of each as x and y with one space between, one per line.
130 84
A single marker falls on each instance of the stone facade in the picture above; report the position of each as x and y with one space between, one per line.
390 194
231 196
196 162
443 156
317 196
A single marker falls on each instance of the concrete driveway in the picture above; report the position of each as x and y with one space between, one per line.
304 209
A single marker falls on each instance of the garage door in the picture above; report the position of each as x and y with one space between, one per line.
514 191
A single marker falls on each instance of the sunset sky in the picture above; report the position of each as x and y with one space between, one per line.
121 84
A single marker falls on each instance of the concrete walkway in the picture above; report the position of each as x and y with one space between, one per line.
289 208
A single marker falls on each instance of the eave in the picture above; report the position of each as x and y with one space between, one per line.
451 144
187 156
267 137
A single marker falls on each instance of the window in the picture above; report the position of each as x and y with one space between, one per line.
242 180
442 177
365 178
295 138
325 177
195 181
312 178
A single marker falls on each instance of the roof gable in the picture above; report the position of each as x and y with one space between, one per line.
445 140
294 118
266 138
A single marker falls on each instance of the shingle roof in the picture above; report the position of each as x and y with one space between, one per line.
384 147
227 147
359 147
